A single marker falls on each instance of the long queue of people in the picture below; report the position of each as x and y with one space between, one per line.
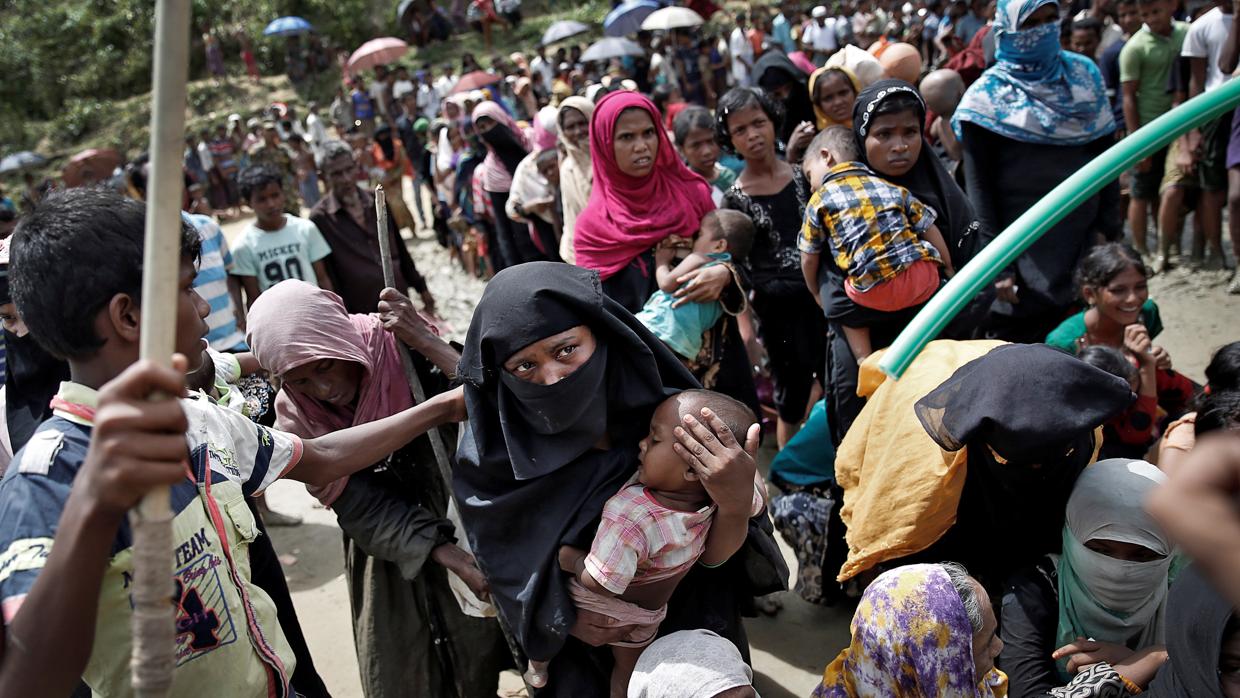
1041 505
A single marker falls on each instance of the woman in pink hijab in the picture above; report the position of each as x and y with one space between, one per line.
507 145
643 193
339 370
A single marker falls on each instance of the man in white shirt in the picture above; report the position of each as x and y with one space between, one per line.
1207 145
742 53
445 83
540 68
379 91
819 39
316 130
402 85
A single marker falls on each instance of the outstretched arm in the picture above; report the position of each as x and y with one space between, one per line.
347 451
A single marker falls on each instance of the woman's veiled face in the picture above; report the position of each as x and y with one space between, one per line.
834 95
986 642
552 359
1043 15
575 128
333 381
484 124
636 142
1129 552
893 143
701 151
752 132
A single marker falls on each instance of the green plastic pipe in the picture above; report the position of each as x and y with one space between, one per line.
1061 201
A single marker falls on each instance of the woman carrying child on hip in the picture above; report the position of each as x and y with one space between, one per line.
878 233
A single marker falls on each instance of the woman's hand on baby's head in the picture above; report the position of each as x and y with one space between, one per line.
725 468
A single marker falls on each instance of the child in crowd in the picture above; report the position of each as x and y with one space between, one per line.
66 602
276 246
651 534
1114 283
724 236
882 237
1161 394
1222 376
1145 65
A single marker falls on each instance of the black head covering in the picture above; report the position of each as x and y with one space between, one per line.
1196 620
506 146
529 478
383 136
774 70
928 180
1027 414
1025 401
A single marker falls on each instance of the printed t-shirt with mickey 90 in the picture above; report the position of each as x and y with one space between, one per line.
275 255
228 641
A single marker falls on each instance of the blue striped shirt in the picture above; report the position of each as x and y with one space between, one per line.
212 284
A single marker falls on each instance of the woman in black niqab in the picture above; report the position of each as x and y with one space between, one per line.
778 75
1030 417
533 472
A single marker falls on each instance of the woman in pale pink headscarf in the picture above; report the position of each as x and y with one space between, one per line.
338 370
507 145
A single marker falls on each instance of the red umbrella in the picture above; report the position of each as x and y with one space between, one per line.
475 80
377 52
91 166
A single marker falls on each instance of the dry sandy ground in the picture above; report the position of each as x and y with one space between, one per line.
789 650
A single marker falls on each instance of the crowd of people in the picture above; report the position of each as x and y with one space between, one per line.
687 253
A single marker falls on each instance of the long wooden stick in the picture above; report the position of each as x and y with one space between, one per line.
419 394
154 622
415 383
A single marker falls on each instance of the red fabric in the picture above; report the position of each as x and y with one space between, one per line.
756 37
1135 425
673 110
911 287
628 215
971 62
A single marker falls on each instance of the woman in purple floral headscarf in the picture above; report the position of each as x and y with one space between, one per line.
920 630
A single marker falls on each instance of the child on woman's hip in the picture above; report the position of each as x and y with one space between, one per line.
652 533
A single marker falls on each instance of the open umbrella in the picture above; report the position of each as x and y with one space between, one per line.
475 80
20 161
377 52
562 30
670 18
91 166
402 8
627 18
612 47
287 26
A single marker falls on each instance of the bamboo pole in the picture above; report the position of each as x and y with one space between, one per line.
419 393
415 383
153 661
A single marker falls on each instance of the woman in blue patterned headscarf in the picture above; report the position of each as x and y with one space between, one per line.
1036 92
1031 120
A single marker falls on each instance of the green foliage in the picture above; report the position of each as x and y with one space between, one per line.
62 60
